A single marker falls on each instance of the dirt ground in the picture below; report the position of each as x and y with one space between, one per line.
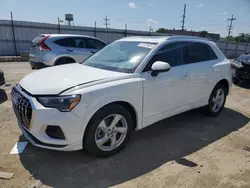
188 150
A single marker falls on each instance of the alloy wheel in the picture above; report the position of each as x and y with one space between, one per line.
111 132
218 100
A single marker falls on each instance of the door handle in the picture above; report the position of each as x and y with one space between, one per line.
184 77
216 69
70 50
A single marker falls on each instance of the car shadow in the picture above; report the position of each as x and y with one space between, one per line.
3 96
170 139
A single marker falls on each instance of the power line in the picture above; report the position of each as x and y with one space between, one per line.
106 21
230 27
183 18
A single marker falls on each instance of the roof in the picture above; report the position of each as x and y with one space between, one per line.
67 35
152 39
159 39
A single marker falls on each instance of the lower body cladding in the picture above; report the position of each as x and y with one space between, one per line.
37 65
46 127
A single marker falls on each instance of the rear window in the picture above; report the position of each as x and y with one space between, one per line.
36 41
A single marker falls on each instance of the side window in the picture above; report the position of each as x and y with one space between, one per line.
198 52
172 53
80 43
95 44
65 42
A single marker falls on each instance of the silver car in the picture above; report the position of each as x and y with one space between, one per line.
57 49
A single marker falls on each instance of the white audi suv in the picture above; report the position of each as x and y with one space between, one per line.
128 85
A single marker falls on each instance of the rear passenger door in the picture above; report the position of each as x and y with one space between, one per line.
201 60
81 49
86 47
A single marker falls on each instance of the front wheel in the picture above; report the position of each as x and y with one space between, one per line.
216 101
109 131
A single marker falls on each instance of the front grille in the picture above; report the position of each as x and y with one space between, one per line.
22 108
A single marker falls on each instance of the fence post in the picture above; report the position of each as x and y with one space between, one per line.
236 49
59 25
226 48
13 33
247 45
125 31
95 30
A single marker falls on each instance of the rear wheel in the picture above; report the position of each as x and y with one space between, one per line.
108 131
64 60
216 101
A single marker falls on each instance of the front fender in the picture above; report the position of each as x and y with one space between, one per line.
92 108
98 96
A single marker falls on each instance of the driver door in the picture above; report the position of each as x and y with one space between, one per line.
166 93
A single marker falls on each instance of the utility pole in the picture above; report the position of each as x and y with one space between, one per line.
230 27
106 21
183 19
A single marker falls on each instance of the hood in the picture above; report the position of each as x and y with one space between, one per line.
53 80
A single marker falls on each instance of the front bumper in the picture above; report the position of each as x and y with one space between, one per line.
242 73
41 118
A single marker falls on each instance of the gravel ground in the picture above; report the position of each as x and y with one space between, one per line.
188 150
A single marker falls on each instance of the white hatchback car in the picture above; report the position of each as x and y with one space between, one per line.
128 85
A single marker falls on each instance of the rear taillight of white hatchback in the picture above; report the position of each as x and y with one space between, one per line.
43 46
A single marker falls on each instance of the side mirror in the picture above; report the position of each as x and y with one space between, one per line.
158 67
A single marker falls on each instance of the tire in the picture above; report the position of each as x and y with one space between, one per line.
94 134
210 109
64 60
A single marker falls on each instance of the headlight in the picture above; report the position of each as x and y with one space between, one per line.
62 103
237 64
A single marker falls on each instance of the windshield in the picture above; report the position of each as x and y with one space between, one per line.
244 58
120 56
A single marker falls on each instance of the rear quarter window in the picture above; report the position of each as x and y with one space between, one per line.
199 52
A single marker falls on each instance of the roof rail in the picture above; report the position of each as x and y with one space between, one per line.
186 37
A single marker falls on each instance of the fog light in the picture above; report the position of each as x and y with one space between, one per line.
55 132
